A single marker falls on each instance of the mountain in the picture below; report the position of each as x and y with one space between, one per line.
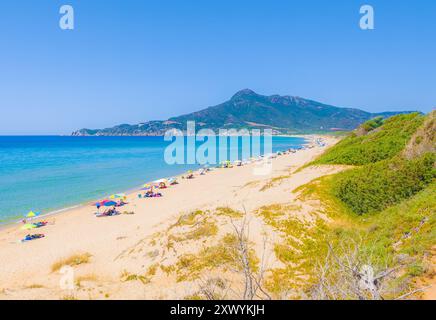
247 109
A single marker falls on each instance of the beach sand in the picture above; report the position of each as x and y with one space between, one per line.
26 268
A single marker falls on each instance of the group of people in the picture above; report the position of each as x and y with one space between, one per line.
120 203
151 194
160 184
35 225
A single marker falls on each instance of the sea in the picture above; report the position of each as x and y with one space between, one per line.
48 174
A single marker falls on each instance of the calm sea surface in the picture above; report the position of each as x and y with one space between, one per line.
50 173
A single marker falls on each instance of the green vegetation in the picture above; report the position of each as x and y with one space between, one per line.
374 187
400 236
204 228
126 276
228 212
379 143
188 219
386 177
424 139
407 228
222 256
384 210
273 182
143 278
301 242
373 124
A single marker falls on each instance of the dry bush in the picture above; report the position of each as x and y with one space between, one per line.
348 273
242 273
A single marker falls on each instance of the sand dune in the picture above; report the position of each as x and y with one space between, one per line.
26 268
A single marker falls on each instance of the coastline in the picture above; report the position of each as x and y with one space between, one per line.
91 183
54 213
75 230
13 222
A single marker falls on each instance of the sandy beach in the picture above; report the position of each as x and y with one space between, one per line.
26 271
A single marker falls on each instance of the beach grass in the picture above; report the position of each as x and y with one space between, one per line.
274 181
73 260
400 236
371 144
127 276
228 212
86 278
35 286
223 256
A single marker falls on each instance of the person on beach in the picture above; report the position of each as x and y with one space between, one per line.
121 203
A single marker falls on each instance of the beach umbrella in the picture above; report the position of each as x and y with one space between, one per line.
117 196
161 183
147 186
32 214
28 226
109 203
106 203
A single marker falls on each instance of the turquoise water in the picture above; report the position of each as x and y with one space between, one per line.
52 172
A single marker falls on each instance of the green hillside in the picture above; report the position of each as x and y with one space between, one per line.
375 140
385 205
376 186
395 159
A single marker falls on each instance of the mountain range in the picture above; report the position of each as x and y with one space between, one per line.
247 109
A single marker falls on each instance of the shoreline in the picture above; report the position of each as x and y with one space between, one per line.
12 223
82 205
79 231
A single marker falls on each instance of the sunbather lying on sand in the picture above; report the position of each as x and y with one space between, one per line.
107 213
40 224
31 237
151 194
120 203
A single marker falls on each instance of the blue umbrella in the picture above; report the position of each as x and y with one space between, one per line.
106 203
110 203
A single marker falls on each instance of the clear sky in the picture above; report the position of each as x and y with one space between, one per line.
130 61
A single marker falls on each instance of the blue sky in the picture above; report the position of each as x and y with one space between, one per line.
130 61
